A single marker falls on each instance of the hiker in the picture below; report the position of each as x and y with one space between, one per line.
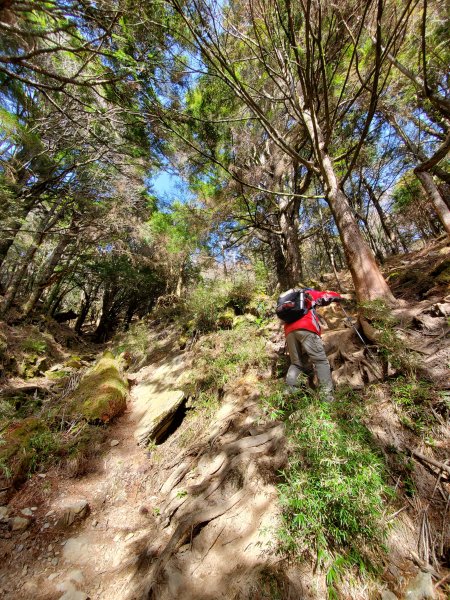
303 337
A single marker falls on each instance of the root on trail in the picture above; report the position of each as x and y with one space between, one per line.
227 469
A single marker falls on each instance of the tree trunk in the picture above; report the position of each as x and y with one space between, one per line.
107 321
367 278
282 273
83 313
444 190
290 241
16 280
432 192
390 231
45 275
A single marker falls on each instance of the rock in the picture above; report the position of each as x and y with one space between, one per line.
76 576
128 536
18 523
33 508
101 394
440 309
55 561
71 592
24 570
26 512
76 510
77 550
114 443
420 588
4 511
52 576
45 525
388 595
159 411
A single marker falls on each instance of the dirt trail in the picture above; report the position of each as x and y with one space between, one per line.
147 524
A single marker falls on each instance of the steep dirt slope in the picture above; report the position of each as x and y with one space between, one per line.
195 517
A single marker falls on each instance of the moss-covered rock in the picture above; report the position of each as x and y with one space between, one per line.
19 446
225 319
442 272
102 393
74 362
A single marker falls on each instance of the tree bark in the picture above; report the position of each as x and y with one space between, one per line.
282 273
367 278
432 192
390 231
290 240
44 276
16 280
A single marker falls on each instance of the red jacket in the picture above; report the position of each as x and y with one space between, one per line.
310 321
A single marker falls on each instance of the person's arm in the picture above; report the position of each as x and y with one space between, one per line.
325 298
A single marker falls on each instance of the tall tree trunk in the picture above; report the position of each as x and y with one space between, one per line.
290 240
84 311
16 280
282 273
367 278
432 192
44 276
392 235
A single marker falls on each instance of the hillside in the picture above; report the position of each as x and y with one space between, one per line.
169 464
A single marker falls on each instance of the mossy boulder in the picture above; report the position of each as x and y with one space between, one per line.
19 447
102 393
442 272
225 319
74 362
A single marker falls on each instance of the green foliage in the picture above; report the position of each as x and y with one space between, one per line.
392 348
334 489
414 397
34 345
207 304
226 354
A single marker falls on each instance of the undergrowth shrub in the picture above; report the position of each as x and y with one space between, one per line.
334 489
210 305
221 358
413 398
391 347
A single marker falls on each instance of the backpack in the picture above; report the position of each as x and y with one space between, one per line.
292 305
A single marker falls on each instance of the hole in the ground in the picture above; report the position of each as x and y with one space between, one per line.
172 424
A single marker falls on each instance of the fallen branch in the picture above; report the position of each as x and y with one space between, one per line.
431 461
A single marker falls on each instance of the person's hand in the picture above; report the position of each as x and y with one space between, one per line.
344 298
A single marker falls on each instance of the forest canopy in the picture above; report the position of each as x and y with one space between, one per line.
312 137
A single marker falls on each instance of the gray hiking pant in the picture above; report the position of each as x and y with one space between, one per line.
306 352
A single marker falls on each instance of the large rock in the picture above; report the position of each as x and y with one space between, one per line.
158 398
158 410
102 393
71 512
420 588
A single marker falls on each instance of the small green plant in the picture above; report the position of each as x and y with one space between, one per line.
45 447
392 348
34 345
181 493
413 398
334 489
